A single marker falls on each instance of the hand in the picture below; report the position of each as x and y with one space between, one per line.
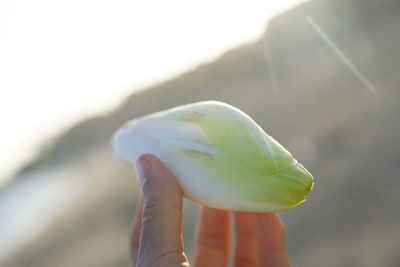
157 231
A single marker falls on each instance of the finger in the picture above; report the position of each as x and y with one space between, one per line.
161 238
137 223
270 235
212 238
246 245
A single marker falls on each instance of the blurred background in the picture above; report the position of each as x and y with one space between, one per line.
320 76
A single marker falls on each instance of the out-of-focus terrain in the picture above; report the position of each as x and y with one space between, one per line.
323 81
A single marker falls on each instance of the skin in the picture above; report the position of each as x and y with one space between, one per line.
157 229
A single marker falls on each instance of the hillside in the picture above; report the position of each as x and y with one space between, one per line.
295 85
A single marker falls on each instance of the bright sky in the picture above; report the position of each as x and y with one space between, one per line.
61 61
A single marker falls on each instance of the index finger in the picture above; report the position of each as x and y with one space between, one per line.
212 239
270 235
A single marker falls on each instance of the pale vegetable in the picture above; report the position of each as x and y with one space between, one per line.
220 157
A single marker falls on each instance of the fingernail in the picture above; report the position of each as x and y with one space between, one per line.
144 169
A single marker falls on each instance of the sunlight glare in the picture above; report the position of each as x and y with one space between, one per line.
61 61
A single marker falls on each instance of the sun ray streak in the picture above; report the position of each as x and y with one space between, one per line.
340 54
270 66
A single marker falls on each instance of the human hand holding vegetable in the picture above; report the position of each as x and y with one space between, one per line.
157 232
216 155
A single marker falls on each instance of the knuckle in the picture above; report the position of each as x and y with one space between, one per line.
213 240
151 210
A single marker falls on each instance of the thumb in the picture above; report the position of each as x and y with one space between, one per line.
161 238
